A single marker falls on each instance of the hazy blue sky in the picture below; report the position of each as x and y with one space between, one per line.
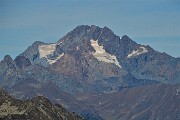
152 22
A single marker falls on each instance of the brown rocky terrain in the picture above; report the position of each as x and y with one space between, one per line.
152 102
37 108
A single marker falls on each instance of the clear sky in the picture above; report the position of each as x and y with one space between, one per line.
150 22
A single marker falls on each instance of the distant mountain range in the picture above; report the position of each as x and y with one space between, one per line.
90 61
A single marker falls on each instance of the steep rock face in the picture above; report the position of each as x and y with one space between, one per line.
154 65
176 76
22 61
126 45
32 52
152 102
38 108
8 71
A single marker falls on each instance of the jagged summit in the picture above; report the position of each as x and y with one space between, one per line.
125 37
90 32
8 62
7 58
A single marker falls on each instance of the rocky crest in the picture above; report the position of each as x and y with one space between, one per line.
8 71
38 108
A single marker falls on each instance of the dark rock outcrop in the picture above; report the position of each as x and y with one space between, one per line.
22 61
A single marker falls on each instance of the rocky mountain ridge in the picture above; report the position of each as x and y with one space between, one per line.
88 60
139 60
38 108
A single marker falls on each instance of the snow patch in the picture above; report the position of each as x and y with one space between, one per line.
108 92
140 51
60 42
45 50
53 61
102 55
88 30
58 99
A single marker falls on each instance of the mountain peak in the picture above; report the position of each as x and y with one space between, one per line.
87 32
125 37
85 27
81 27
80 33
107 29
7 58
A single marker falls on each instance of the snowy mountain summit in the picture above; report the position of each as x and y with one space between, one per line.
87 64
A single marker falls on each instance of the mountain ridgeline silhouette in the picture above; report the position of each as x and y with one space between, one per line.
89 61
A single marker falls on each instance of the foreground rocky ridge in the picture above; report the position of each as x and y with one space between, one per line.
38 108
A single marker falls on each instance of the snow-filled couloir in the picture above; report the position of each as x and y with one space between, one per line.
51 61
102 55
